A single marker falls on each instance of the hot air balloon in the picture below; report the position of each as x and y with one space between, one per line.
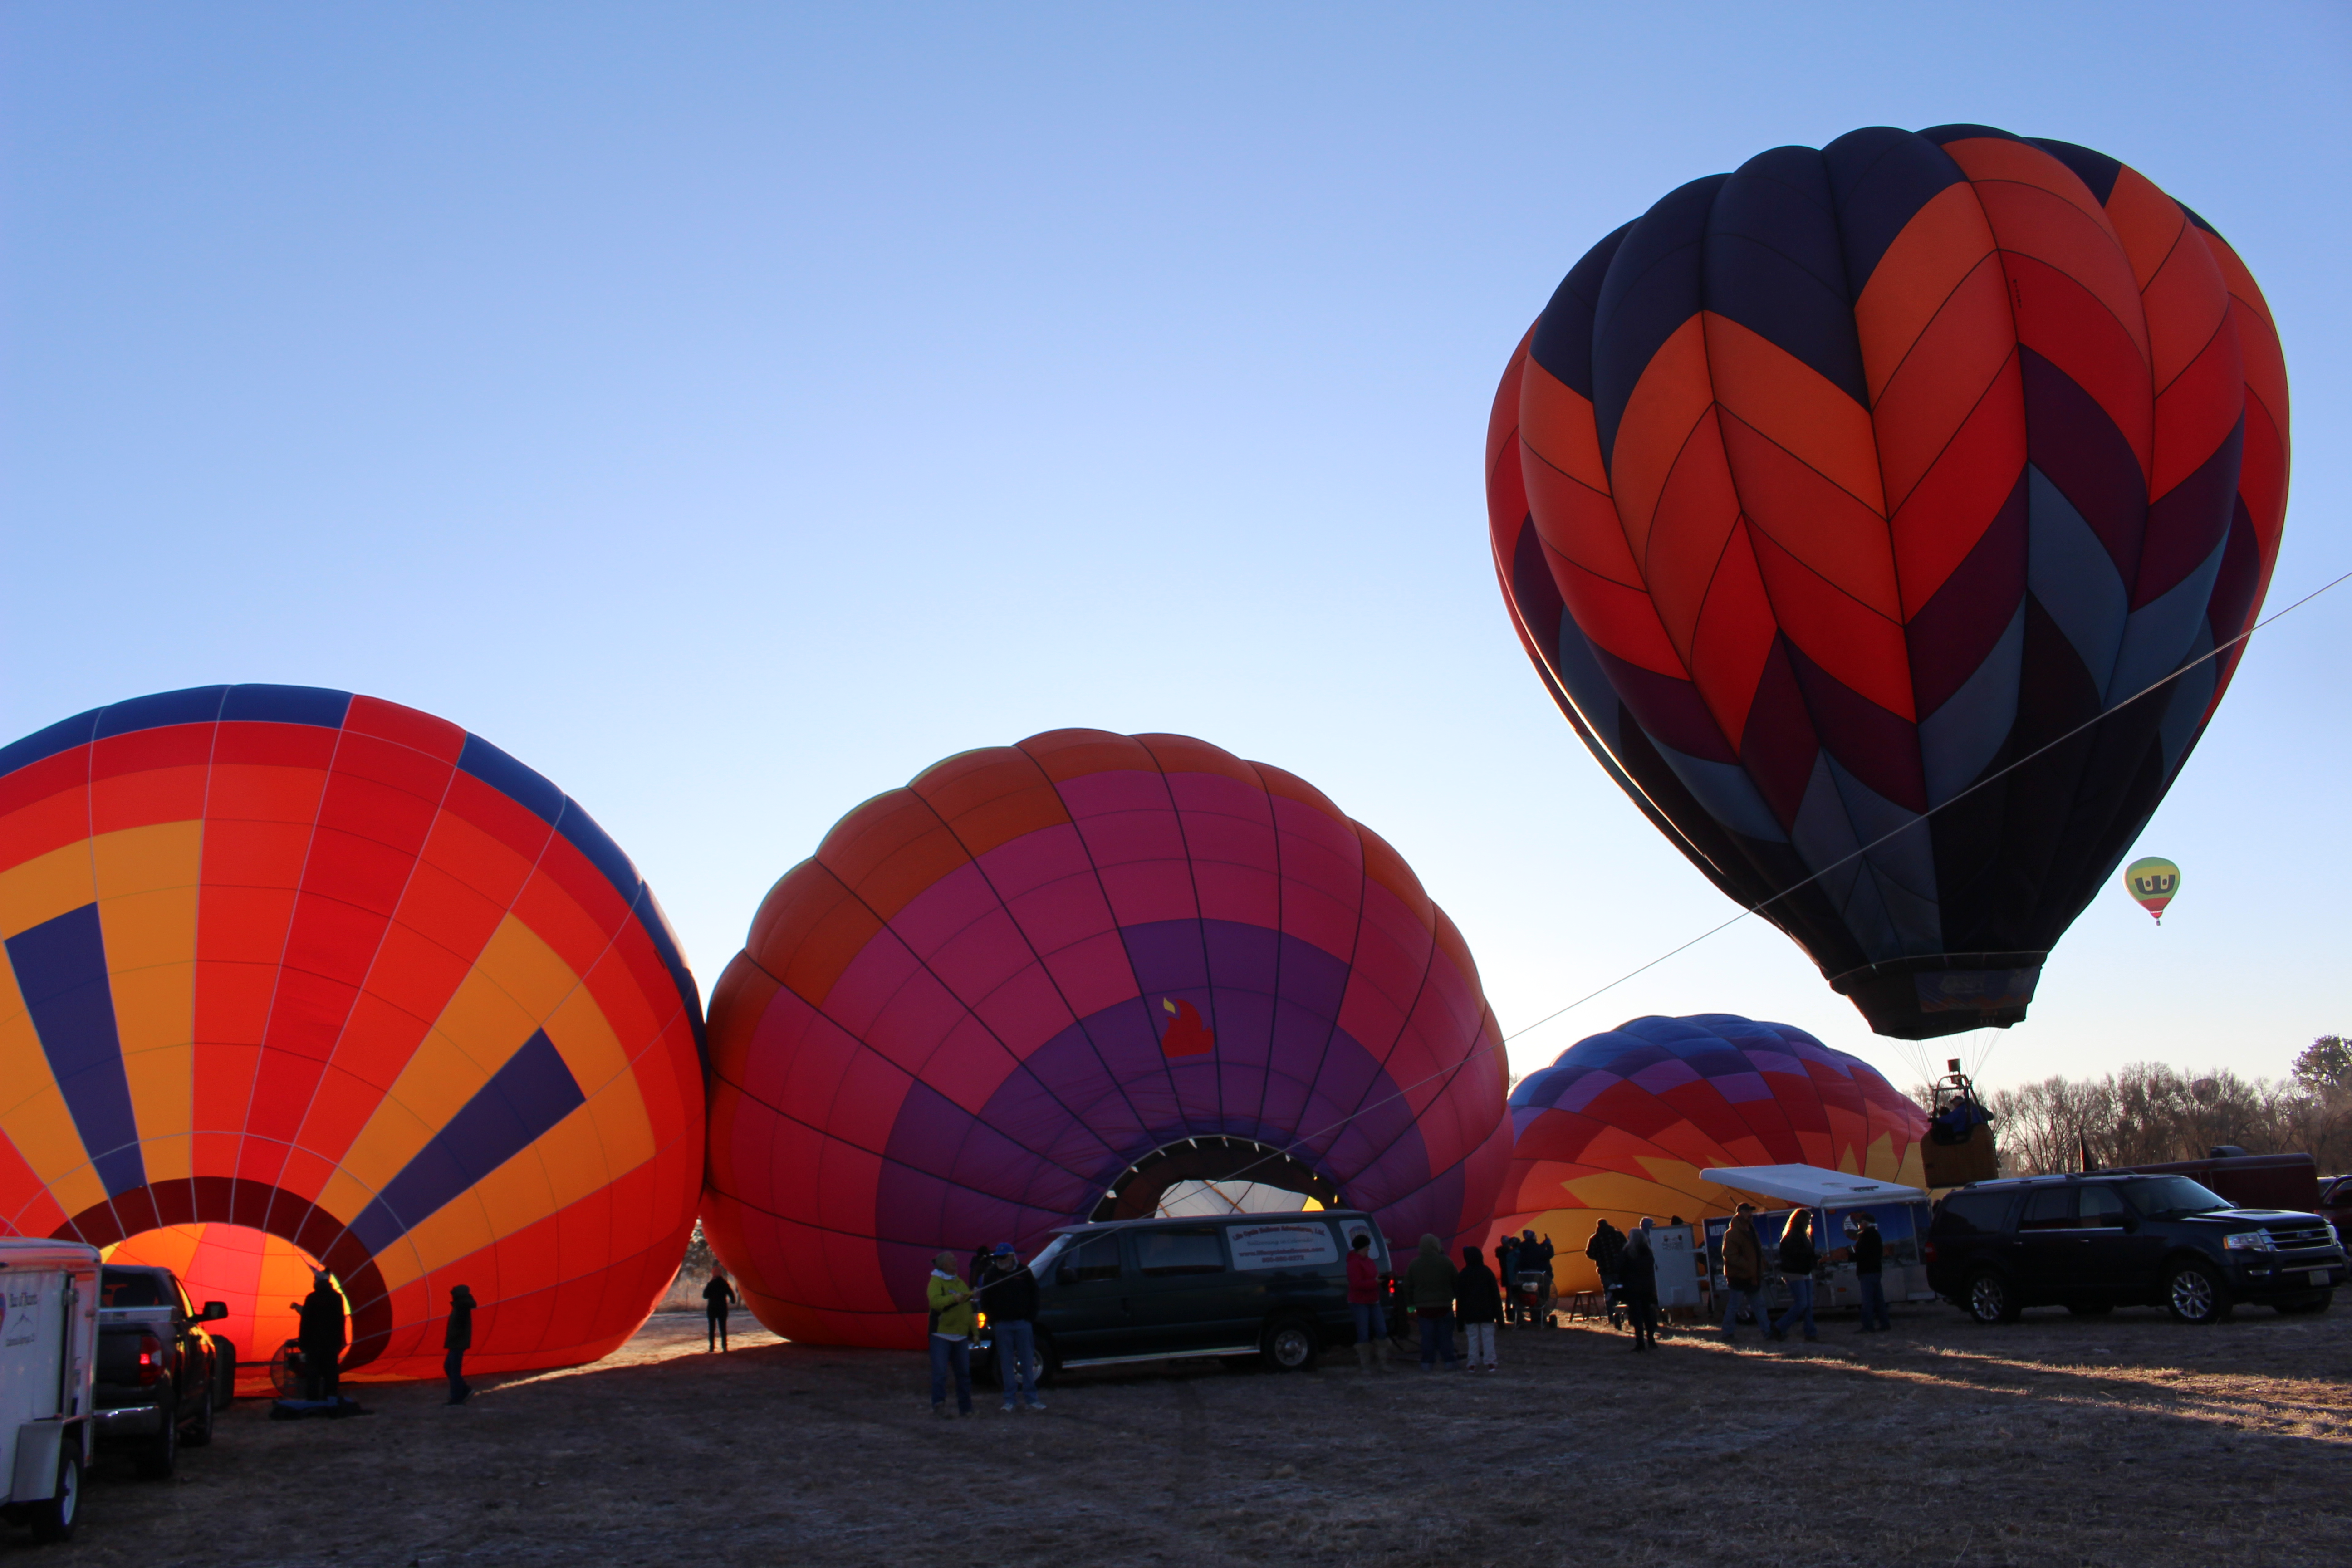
1054 981
2151 881
1623 1122
330 969
1831 488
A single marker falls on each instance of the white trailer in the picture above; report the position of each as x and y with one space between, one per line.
49 1357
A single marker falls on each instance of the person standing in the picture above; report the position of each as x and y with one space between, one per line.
718 1298
1506 1272
1607 1250
1478 1303
1743 1273
1798 1261
1429 1291
1637 1271
321 1336
1008 1294
1869 1276
1364 1305
456 1339
951 1302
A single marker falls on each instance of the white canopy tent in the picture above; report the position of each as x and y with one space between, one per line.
1811 1186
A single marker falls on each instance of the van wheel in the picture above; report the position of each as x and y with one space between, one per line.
162 1452
1290 1344
54 1520
2194 1294
1990 1299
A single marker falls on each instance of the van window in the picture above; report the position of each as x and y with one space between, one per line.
1096 1257
1180 1251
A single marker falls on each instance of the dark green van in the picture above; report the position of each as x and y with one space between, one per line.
1270 1287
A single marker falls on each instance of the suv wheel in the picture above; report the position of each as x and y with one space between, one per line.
2194 1294
1290 1344
1049 1364
1990 1299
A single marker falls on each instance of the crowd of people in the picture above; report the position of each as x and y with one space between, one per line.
1434 1295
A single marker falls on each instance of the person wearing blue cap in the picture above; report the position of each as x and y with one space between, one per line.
1008 1294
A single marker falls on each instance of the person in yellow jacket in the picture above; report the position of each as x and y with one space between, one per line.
952 1324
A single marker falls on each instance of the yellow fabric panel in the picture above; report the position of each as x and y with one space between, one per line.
147 881
46 887
23 1065
42 1131
455 1230
518 985
393 1136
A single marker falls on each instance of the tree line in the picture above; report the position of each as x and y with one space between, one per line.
2149 1113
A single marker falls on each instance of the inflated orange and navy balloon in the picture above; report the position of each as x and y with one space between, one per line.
332 969
1829 488
1623 1122
1043 983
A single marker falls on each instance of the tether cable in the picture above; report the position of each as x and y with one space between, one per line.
1401 1090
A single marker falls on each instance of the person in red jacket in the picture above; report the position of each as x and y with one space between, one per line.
1364 1304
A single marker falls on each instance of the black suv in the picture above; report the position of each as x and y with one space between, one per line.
2092 1243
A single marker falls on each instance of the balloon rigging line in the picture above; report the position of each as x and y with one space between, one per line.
1403 1090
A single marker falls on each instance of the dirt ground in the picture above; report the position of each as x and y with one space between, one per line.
2128 1440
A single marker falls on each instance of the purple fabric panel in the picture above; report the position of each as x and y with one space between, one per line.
2078 448
1739 1088
1660 1077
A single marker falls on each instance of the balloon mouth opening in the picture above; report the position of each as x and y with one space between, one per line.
1137 1192
1922 997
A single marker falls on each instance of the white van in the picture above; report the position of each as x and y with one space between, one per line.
48 1357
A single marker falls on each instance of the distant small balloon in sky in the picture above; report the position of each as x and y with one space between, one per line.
2151 881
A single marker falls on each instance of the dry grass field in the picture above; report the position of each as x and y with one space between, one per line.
2128 1441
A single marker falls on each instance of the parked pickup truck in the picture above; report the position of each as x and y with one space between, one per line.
160 1377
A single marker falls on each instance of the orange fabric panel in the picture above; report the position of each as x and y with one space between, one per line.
143 798
1820 523
2058 233
1697 513
2147 222
1996 159
1069 753
1557 424
1736 629
2195 413
1946 512
1621 620
896 846
1795 406
1579 523
1861 648
2058 319
991 798
832 927
1963 349
1502 417
1946 242
2187 303
1666 405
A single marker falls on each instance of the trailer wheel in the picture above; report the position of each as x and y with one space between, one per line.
54 1520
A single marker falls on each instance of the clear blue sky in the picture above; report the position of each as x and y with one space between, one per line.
729 410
